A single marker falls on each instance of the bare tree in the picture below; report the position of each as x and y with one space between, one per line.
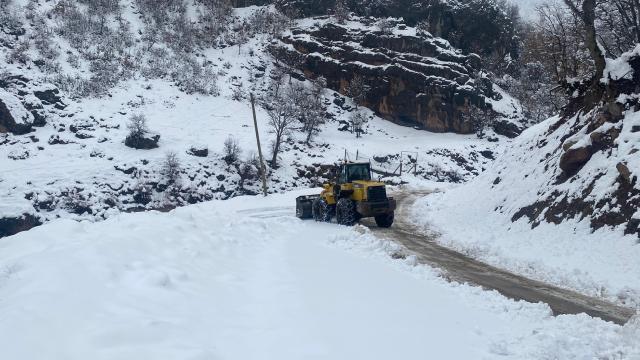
586 11
341 11
618 23
358 89
282 117
171 168
137 126
357 121
385 26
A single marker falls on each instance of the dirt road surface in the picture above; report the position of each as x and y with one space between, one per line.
461 268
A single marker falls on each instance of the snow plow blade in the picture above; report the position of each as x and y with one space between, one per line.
303 206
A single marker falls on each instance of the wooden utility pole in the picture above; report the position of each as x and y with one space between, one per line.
263 169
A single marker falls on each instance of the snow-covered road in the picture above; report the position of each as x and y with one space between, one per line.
244 279
462 268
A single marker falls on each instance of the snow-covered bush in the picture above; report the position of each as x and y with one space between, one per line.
74 86
238 93
137 125
385 26
171 168
139 136
10 21
19 54
231 150
357 120
195 78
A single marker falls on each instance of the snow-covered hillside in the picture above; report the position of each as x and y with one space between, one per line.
74 162
561 203
245 279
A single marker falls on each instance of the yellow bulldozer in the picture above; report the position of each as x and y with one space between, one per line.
349 197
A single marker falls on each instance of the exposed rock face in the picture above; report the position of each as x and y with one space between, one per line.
414 80
471 25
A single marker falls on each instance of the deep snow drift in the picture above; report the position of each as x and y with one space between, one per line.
244 279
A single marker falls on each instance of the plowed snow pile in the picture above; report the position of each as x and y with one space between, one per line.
244 279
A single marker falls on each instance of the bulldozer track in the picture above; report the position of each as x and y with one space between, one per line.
461 268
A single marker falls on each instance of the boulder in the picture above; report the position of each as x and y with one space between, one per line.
574 159
624 172
198 151
604 140
14 118
48 95
142 142
506 128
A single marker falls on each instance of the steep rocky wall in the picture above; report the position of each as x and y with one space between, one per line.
415 80
471 25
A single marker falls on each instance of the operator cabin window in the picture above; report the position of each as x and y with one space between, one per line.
360 172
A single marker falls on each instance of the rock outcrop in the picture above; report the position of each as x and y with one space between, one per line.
412 79
471 25
142 142
25 104
14 118
13 225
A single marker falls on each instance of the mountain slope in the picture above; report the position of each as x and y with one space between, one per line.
194 93
561 203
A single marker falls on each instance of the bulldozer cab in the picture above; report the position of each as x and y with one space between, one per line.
353 172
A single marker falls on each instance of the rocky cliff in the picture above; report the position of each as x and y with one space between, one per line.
480 26
411 77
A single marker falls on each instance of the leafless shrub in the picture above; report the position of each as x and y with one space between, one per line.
171 168
137 126
385 26
357 120
231 150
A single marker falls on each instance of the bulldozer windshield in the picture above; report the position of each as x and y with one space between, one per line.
353 172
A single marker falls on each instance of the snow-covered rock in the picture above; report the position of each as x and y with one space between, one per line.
14 117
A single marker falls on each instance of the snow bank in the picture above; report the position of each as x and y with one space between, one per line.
477 218
244 279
